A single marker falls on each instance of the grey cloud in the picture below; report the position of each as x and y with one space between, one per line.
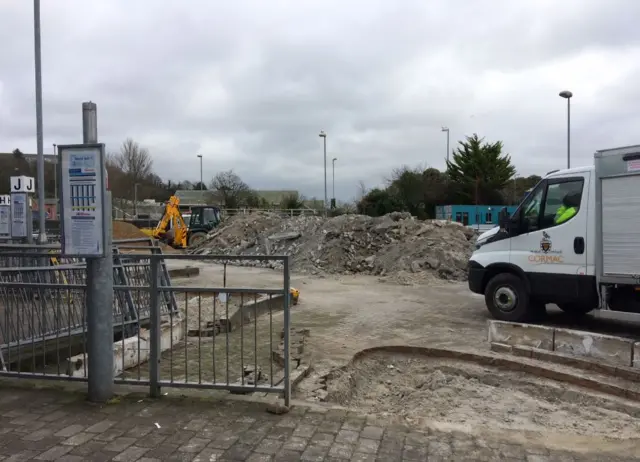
250 84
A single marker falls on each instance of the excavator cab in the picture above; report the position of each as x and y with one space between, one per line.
173 230
203 219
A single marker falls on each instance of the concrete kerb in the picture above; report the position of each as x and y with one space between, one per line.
615 350
256 308
184 272
529 335
513 364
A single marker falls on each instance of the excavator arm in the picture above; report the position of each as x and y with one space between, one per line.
177 235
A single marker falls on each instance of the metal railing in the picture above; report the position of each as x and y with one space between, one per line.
204 333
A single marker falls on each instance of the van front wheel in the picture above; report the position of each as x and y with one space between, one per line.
507 299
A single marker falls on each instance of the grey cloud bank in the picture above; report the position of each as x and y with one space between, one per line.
250 84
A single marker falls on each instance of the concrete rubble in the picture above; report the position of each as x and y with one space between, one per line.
396 246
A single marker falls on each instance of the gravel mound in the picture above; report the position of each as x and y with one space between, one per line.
396 246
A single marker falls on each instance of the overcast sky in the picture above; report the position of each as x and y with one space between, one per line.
249 84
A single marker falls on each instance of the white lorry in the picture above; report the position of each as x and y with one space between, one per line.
590 261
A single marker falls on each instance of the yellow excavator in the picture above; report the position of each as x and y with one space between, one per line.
174 231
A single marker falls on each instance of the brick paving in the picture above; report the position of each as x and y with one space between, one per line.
48 425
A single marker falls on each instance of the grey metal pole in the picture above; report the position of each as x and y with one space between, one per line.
447 145
287 331
201 185
135 200
99 292
568 95
42 236
325 174
55 175
568 132
333 179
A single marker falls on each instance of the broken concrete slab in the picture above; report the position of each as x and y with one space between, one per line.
278 237
131 351
636 355
614 350
511 333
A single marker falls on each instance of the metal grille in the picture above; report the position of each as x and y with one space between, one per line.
203 334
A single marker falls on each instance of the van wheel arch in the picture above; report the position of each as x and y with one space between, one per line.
498 268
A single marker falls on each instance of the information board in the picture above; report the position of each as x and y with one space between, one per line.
5 215
19 215
82 198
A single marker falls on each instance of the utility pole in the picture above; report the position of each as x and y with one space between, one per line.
42 236
323 135
201 185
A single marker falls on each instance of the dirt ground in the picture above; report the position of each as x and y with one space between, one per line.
347 314
421 391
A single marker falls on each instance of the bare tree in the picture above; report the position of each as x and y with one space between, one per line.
362 190
134 161
233 191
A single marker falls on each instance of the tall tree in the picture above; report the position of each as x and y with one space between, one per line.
407 187
378 202
135 163
233 191
134 160
479 170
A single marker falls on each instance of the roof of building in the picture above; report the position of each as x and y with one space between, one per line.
47 157
189 197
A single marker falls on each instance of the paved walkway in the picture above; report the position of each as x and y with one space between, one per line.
48 424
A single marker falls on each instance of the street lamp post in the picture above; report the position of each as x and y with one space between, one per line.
55 175
201 185
568 95
333 180
323 135
446 129
42 237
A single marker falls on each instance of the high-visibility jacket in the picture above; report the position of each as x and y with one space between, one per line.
565 215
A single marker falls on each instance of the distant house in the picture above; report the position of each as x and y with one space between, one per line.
50 206
472 214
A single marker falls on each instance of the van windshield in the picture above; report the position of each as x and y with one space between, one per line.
530 205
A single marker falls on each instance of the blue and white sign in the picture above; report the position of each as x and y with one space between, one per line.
82 198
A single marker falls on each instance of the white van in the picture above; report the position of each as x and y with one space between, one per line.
591 260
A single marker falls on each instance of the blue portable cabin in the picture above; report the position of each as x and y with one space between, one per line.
472 215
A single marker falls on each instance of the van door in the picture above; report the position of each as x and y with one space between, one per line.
550 245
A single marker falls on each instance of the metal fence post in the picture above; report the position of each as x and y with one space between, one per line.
287 328
154 329
99 292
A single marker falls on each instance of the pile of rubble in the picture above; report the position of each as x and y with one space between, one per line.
396 245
